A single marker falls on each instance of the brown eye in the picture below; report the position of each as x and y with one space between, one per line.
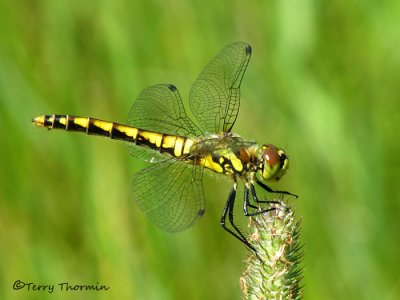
272 157
275 162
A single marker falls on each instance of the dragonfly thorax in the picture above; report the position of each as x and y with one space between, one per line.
273 162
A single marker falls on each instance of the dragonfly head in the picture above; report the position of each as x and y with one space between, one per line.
273 162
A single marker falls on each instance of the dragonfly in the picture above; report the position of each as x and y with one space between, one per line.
170 191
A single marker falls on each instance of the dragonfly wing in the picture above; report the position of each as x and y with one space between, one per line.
215 96
159 108
170 193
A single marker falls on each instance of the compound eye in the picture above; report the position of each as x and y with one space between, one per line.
275 162
272 157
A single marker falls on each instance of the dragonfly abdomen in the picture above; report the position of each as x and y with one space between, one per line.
172 145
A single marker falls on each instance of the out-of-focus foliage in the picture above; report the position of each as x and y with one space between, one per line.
323 82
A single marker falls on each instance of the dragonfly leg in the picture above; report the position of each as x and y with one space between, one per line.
247 204
268 189
228 210
255 197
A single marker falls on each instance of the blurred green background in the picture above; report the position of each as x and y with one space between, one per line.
323 82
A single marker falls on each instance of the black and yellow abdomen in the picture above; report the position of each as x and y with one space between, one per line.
172 145
204 151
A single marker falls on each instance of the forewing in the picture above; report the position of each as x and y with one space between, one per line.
159 108
215 96
170 193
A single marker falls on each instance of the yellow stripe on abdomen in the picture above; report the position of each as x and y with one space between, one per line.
150 138
172 145
124 133
176 145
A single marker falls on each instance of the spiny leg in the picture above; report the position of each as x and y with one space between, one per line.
246 203
255 197
228 209
268 189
